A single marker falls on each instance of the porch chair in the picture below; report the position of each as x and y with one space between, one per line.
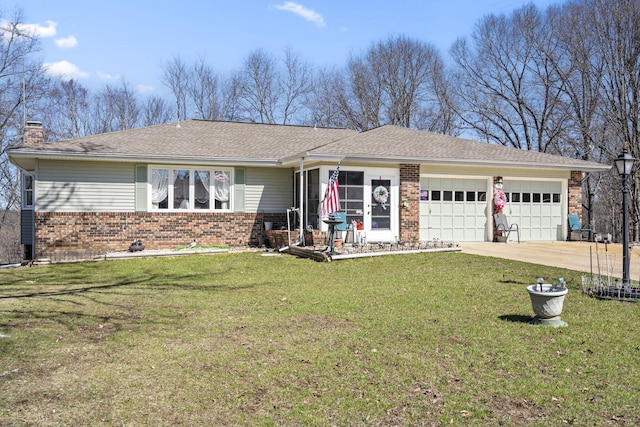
576 227
503 227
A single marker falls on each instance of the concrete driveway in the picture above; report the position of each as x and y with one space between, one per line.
580 256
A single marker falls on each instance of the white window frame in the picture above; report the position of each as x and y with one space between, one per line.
192 170
24 197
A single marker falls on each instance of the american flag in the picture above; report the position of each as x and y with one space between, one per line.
331 202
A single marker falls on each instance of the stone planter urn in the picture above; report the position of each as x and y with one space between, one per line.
547 301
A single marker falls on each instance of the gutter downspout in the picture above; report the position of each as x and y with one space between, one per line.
301 212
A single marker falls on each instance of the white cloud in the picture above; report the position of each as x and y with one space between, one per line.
66 42
65 70
38 30
145 89
308 14
108 77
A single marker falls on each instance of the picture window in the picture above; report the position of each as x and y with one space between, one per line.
190 189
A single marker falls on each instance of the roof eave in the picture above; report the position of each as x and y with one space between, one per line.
295 159
22 157
26 160
514 164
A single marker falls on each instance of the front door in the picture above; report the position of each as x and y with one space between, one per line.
380 211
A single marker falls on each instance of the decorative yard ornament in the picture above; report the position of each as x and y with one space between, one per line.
499 196
547 301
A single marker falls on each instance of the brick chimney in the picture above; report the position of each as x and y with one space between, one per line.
33 133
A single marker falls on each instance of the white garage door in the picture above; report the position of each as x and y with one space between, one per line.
536 207
453 209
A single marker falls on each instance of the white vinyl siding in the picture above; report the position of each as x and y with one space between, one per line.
268 190
64 186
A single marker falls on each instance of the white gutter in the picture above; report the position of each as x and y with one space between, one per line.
135 158
589 167
307 156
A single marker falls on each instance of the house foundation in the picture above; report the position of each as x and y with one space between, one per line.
89 234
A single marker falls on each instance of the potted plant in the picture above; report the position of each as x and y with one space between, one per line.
547 301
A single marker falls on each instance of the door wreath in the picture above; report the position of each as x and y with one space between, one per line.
381 195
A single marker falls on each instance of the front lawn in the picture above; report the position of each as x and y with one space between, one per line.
244 339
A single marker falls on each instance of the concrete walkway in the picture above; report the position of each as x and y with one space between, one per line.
580 256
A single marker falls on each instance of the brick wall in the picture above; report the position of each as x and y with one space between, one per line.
575 194
33 133
98 233
409 203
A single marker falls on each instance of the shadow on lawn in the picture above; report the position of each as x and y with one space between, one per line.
98 299
65 291
515 318
76 283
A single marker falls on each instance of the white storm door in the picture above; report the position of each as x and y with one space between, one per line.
381 209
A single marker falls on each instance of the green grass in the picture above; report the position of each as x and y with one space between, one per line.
242 339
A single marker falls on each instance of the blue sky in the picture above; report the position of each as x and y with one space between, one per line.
100 42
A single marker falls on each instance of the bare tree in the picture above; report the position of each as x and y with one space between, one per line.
156 111
439 113
202 88
296 83
230 92
176 77
614 25
321 103
70 112
360 95
405 69
398 81
22 85
260 89
579 65
116 108
509 90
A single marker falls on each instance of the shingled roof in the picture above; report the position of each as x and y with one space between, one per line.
192 140
400 145
212 142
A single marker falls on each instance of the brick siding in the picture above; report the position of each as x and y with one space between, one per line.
575 194
99 233
409 195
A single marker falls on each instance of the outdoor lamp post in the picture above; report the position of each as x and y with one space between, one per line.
624 164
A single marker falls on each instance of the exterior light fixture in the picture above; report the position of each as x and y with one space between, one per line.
624 163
